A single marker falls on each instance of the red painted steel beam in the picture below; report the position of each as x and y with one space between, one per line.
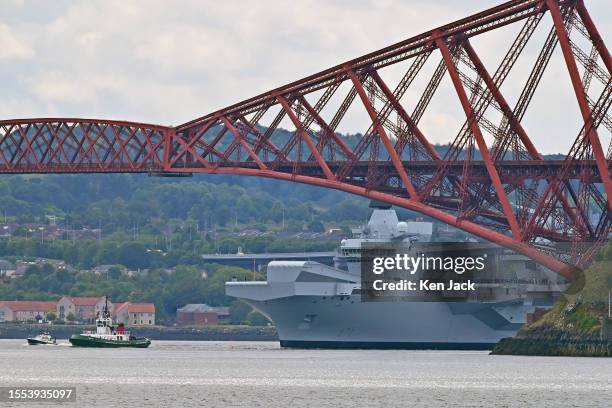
260 137
210 148
86 120
91 143
199 158
242 142
122 144
585 110
405 117
595 37
302 132
153 149
195 138
169 135
327 129
505 107
269 130
515 124
395 159
482 146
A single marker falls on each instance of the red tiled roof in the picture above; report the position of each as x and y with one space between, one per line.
141 308
84 301
119 306
29 305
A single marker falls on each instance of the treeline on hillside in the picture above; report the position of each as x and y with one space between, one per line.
123 200
149 251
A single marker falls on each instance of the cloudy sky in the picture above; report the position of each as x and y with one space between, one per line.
170 61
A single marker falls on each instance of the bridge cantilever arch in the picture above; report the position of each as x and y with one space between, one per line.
491 181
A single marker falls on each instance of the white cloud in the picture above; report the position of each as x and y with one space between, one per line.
11 47
57 87
191 49
89 39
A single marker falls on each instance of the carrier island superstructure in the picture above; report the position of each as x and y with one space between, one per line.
317 306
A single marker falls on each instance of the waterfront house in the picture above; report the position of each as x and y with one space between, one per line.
201 314
84 309
24 310
135 314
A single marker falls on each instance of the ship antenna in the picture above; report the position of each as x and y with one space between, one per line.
106 314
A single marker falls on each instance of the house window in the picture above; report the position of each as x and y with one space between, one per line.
149 321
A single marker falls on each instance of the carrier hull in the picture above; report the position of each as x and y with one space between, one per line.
346 322
313 305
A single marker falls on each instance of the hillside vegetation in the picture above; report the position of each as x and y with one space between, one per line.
574 325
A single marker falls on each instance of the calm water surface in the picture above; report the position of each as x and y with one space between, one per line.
260 374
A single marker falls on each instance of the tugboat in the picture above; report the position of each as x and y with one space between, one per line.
106 335
44 338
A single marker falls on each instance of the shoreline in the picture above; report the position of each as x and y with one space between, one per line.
553 348
206 333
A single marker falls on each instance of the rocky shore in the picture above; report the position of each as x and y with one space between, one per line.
555 344
211 333
577 325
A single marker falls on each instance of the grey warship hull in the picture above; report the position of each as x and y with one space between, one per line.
346 322
314 305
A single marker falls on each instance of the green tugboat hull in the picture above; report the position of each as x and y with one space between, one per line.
80 340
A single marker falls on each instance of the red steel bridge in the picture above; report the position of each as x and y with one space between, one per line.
492 181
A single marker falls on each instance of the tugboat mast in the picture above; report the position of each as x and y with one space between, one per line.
105 312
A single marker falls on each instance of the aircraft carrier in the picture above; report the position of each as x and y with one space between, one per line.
318 306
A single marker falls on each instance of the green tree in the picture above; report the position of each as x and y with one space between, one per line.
238 312
114 272
294 225
316 226
33 270
107 253
255 318
133 255
185 285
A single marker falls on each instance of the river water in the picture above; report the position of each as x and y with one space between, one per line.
261 374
